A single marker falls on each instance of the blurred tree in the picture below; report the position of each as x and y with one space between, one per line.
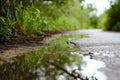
113 18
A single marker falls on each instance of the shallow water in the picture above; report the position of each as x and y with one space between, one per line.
58 61
54 67
91 68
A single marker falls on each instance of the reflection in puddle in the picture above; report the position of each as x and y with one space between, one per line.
53 67
108 55
91 68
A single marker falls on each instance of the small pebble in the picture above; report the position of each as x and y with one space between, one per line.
1 51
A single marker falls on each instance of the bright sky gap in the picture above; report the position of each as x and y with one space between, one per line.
101 5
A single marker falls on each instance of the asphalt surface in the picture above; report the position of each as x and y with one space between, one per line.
104 46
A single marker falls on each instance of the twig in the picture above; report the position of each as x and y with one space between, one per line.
60 68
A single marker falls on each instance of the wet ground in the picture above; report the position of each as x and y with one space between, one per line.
19 46
102 46
98 57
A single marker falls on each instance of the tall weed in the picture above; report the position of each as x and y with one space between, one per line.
31 20
6 24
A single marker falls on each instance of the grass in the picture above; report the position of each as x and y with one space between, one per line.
33 19
6 24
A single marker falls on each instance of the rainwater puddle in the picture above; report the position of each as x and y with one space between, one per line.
91 68
53 67
58 61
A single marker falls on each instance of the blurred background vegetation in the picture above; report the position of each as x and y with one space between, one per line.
110 19
113 17
36 17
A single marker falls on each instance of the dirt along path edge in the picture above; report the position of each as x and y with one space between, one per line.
14 50
18 49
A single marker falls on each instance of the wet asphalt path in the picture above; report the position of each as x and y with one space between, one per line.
105 47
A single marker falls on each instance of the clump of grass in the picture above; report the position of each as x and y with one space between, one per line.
31 20
6 24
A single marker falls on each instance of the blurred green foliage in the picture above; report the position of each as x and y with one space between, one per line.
102 20
111 17
94 21
34 17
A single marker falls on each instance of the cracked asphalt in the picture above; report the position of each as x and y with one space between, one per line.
105 47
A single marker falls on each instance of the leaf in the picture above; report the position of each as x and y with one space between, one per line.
2 19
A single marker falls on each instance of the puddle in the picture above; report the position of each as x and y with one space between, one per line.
53 67
54 62
91 67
